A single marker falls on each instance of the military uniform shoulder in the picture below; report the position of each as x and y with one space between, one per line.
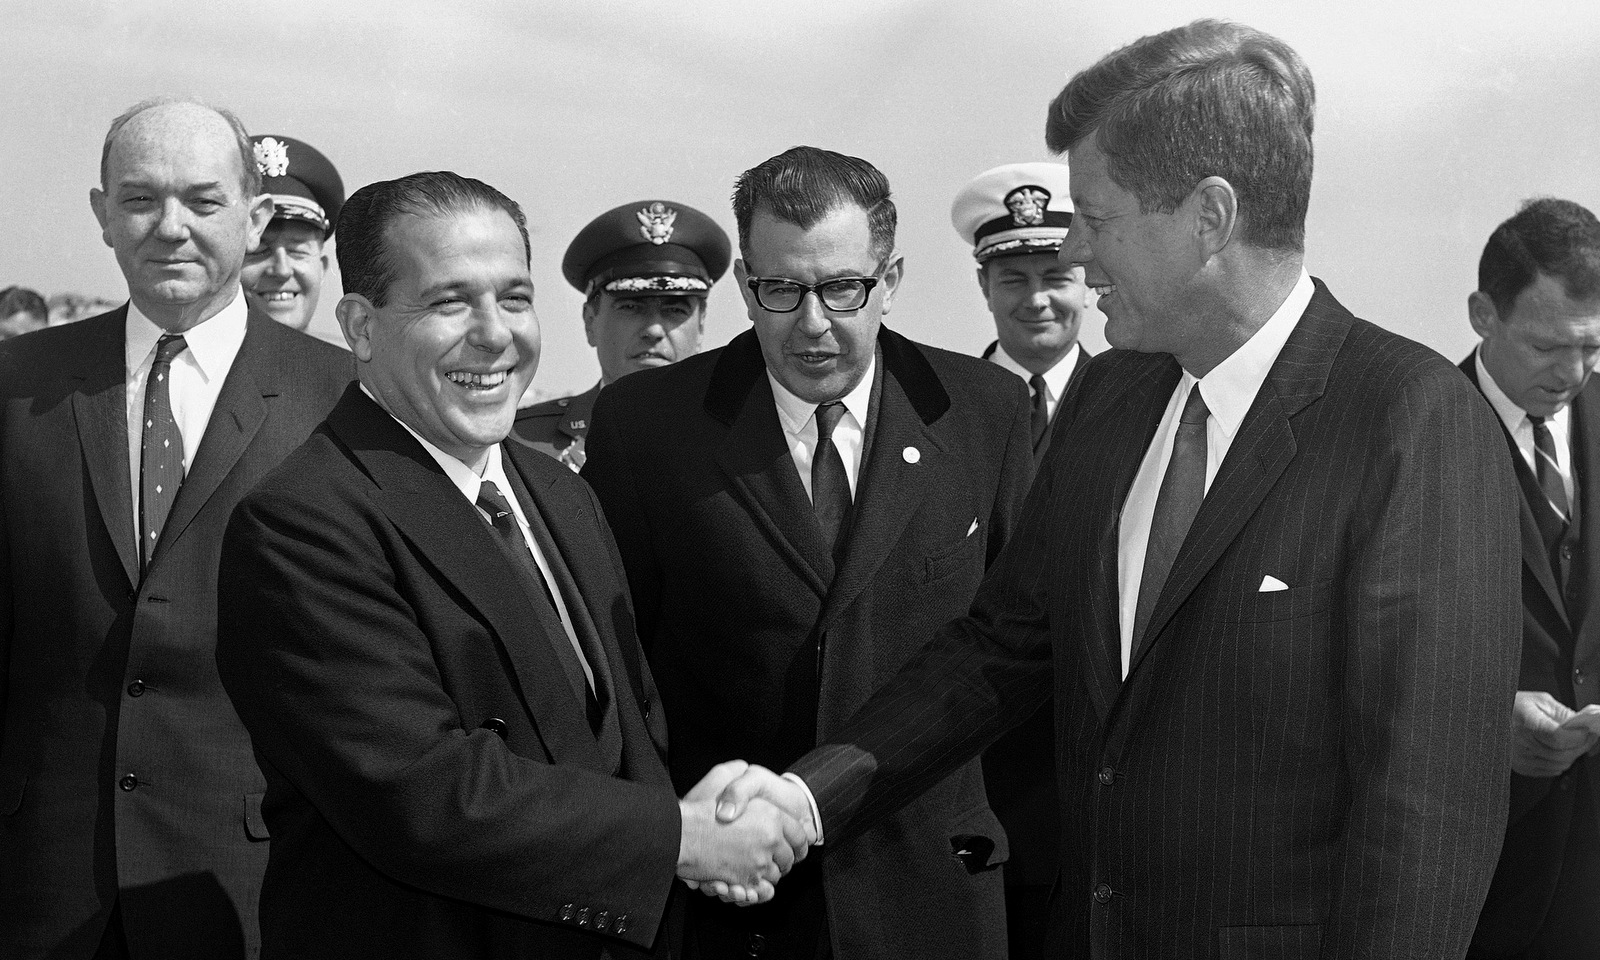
556 407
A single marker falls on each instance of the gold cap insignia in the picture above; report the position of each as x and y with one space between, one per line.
272 157
1027 205
655 222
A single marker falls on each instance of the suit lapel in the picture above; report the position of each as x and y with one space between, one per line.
1131 413
99 405
757 461
1260 452
1535 554
442 526
889 488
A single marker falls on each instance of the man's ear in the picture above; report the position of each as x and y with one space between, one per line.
356 317
983 279
97 203
1216 214
1483 314
261 210
891 279
740 275
588 318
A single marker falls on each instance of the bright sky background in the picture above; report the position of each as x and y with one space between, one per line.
1435 119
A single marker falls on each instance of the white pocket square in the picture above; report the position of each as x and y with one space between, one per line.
1271 584
974 528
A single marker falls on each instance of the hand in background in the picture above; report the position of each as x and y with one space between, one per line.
1540 745
738 860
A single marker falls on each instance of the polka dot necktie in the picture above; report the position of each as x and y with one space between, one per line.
161 454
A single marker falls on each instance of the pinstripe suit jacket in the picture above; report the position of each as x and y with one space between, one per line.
1300 773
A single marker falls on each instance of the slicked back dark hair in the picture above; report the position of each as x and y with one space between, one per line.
1556 237
1208 99
364 263
802 185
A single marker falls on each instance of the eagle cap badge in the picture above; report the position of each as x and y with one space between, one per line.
655 222
1027 204
272 157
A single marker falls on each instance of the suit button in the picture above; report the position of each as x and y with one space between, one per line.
136 688
758 945
566 912
1578 676
1107 776
495 725
1102 893
129 783
583 917
601 921
621 926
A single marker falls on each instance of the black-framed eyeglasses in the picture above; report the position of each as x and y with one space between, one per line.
782 295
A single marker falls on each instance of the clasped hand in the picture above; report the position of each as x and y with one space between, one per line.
739 841
1547 735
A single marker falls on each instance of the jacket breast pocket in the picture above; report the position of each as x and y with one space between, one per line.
953 559
1277 605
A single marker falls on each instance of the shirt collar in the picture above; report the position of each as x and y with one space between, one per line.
464 477
794 413
1506 408
1231 386
212 343
1055 378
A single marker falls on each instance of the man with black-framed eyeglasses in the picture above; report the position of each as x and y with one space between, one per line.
796 512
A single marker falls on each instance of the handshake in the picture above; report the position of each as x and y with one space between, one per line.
744 827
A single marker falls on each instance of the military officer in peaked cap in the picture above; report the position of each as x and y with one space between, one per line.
283 275
645 270
1015 217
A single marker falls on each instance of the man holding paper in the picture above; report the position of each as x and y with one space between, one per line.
1537 308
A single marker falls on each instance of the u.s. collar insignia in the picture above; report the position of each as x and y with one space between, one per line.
272 157
1027 204
655 222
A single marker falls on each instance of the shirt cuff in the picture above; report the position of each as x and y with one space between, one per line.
816 816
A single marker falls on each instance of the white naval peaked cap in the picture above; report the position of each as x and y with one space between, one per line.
1014 209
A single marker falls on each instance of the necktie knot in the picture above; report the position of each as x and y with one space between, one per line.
169 346
1040 389
1194 409
828 416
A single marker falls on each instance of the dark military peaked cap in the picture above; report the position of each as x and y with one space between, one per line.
303 184
649 248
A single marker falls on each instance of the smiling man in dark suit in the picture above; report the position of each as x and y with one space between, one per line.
428 635
796 512
1537 308
130 820
1269 567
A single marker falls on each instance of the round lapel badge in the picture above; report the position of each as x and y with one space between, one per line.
911 454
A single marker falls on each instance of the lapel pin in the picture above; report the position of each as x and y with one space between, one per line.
911 454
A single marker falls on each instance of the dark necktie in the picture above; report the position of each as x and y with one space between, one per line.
830 487
1544 456
492 502
161 450
1040 419
1182 489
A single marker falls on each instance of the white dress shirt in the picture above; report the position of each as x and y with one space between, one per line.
1229 390
1055 379
1521 428
195 384
468 482
798 418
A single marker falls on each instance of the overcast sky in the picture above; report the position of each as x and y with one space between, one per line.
1435 119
